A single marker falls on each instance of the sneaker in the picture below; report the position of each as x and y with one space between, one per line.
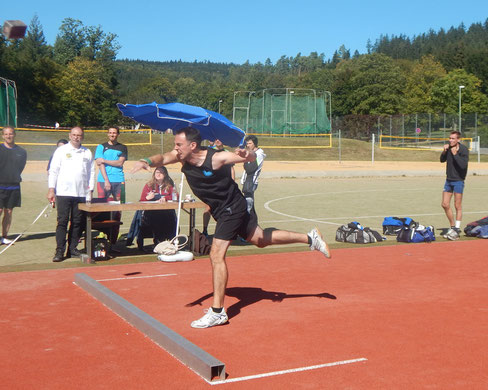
58 257
452 235
75 253
6 241
448 231
211 319
318 243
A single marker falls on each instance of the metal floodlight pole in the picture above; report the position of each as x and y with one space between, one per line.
220 102
460 87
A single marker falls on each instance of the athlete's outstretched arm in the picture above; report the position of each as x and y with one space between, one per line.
228 158
157 160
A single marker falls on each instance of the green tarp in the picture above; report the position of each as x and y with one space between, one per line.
8 103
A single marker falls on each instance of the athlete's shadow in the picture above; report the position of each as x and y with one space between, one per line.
249 295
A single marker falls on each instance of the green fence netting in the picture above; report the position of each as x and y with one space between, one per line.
8 103
283 111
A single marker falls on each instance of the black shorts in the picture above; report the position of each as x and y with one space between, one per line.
113 194
9 198
229 226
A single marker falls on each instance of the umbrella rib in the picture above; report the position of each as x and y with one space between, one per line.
182 119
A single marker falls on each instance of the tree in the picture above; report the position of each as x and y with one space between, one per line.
373 85
420 81
74 40
83 94
70 41
159 90
34 46
445 93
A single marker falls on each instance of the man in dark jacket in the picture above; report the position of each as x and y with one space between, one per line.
12 163
456 156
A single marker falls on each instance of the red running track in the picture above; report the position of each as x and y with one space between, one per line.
416 316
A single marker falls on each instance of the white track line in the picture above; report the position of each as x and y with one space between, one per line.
136 277
290 371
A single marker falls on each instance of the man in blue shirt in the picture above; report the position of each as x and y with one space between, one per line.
110 157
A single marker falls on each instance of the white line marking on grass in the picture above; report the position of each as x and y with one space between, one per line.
324 219
290 371
137 277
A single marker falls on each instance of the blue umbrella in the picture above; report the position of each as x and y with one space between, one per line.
175 116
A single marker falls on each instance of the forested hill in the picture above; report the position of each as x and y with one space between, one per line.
459 47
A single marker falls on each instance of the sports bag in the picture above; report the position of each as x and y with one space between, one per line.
416 234
356 234
480 231
392 225
202 246
470 230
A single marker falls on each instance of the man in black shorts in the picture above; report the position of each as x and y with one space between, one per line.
12 163
209 176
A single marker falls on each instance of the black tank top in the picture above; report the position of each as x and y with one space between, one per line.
215 187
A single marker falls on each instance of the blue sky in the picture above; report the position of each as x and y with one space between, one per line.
236 31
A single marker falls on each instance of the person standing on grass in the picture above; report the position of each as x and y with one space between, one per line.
252 170
456 157
110 158
71 179
208 174
12 162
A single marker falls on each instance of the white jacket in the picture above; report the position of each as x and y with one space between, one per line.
72 171
260 156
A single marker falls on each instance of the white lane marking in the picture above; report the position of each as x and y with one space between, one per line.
136 277
292 370
324 220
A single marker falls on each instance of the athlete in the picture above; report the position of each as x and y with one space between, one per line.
456 157
209 176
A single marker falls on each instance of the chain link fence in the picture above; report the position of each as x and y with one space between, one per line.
471 125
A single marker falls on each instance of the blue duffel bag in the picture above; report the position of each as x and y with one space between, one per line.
393 225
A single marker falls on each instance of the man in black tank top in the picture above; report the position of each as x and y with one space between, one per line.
209 176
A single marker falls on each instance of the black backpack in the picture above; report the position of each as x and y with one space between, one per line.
356 234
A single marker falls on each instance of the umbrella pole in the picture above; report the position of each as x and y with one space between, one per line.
179 208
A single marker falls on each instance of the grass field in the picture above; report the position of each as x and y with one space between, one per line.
289 203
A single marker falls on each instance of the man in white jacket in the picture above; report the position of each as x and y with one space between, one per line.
71 180
249 179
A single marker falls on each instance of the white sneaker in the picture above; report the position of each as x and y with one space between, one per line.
5 241
318 243
211 319
452 235
445 235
